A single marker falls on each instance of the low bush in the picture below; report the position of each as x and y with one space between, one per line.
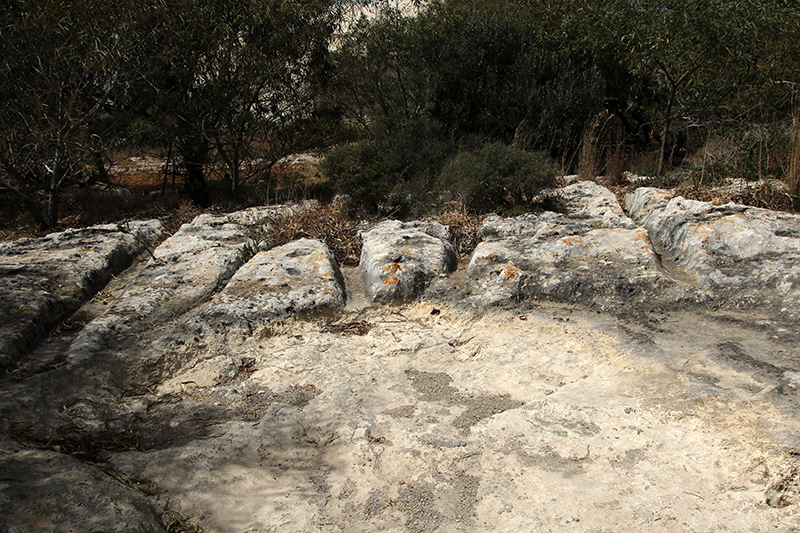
496 176
394 169
359 170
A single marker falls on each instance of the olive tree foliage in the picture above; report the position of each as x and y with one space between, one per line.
59 77
701 56
477 71
238 77
78 77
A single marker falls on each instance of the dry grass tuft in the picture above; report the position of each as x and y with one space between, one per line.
331 223
590 162
464 230
616 165
793 170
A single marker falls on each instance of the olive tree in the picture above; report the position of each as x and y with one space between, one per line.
696 53
59 75
230 75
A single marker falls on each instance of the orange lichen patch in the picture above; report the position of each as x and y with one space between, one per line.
393 268
391 280
511 271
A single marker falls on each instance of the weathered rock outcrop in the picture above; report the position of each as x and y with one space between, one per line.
294 278
593 254
743 255
399 260
45 280
426 419
184 273
187 268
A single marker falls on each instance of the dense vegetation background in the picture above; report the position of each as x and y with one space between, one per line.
474 103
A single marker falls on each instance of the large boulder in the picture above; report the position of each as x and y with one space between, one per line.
591 201
47 279
399 260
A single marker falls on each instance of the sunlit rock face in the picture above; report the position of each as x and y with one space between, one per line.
743 255
399 260
248 386
591 254
298 277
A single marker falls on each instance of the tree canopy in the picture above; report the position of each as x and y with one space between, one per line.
242 83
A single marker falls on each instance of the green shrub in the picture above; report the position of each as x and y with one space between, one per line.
496 176
360 171
394 169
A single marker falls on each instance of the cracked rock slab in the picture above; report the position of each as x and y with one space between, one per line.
39 490
647 201
399 260
187 268
590 200
298 277
47 279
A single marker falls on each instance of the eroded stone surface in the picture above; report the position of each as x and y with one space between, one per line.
645 201
429 422
422 417
187 268
43 491
744 255
45 280
399 260
593 254
297 277
590 200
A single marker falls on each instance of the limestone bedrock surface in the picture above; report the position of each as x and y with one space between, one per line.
37 484
294 278
745 255
210 382
592 254
45 280
399 260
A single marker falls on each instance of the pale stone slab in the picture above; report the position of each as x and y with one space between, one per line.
745 255
187 268
592 254
587 199
399 260
645 201
298 277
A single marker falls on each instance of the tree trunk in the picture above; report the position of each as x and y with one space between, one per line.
52 208
662 159
194 159
100 166
234 180
52 193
